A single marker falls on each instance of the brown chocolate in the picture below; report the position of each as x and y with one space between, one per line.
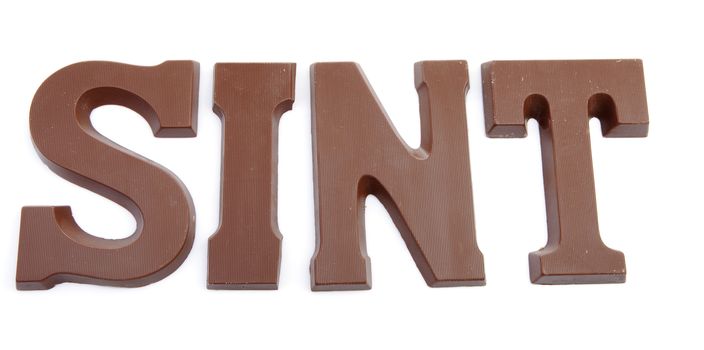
52 248
427 191
245 253
562 95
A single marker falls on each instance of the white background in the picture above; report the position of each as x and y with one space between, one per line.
649 190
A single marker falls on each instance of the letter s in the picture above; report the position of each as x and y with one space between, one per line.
52 248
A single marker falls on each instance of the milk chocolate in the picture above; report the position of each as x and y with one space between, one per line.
427 191
245 252
561 96
52 248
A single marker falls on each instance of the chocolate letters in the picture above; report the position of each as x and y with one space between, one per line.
356 153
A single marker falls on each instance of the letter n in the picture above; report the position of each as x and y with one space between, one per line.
427 191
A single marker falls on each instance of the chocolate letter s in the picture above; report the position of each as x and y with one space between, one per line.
52 248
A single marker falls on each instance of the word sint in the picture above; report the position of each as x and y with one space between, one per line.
356 152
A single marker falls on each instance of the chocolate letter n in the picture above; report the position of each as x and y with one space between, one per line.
52 248
427 191
562 95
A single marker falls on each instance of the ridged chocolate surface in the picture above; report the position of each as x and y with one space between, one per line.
562 96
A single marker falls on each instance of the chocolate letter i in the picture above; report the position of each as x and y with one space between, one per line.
52 248
427 191
562 95
245 252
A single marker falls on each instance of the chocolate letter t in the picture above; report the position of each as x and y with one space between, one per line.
562 95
